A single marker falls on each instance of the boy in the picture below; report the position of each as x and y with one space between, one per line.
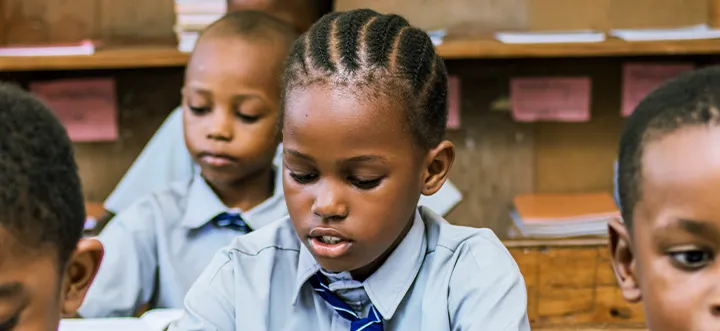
669 173
45 267
167 152
157 247
364 113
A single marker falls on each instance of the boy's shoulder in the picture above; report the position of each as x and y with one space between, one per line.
278 236
167 204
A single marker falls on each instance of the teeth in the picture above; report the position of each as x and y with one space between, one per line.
329 240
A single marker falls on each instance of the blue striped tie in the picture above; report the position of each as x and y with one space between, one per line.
232 221
371 323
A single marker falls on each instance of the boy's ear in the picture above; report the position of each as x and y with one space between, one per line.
79 274
623 261
439 161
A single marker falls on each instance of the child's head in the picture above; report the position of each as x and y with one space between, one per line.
669 175
364 113
45 268
231 96
299 14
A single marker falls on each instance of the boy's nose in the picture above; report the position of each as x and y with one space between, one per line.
328 201
221 126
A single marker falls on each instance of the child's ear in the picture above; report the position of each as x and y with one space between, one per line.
439 161
623 261
79 274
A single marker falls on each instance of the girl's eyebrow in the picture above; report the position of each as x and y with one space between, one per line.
10 290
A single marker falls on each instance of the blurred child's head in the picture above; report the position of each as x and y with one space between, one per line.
669 175
364 114
45 268
300 14
231 96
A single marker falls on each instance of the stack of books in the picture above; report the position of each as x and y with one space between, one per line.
562 215
192 16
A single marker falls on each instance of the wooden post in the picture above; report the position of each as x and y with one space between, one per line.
714 19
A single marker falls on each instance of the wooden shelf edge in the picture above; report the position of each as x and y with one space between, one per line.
555 243
169 56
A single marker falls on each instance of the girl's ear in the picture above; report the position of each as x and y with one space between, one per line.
439 160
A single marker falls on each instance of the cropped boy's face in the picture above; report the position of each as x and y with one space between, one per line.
34 290
230 100
669 260
352 176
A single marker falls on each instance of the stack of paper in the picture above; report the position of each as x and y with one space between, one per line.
551 37
153 320
192 16
695 32
563 215
85 47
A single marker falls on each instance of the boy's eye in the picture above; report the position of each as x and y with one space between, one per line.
199 110
691 259
303 178
248 118
365 184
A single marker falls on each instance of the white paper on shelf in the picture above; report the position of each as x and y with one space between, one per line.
694 32
548 37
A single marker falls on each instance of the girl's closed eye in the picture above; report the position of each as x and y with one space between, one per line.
199 110
247 118
365 183
690 258
303 178
9 324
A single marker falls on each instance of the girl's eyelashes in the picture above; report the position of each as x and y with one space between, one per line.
247 118
9 324
691 258
365 184
303 178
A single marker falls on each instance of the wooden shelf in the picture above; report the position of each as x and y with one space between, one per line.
110 58
169 56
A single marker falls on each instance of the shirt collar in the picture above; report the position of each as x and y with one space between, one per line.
388 285
203 204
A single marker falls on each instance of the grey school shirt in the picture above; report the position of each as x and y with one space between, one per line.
157 247
440 278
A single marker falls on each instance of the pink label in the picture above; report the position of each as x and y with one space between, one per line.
86 107
640 79
563 99
453 121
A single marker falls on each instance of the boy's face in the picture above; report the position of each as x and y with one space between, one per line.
669 260
351 171
34 293
230 101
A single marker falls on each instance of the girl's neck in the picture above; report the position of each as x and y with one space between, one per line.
362 273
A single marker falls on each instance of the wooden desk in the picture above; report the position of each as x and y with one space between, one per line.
571 282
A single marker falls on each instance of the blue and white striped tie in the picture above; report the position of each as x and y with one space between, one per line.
232 221
374 320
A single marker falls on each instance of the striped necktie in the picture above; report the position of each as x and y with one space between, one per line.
371 323
232 221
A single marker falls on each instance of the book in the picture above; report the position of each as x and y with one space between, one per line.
563 215
85 47
153 320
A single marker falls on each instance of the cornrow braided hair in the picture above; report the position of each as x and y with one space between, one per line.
381 55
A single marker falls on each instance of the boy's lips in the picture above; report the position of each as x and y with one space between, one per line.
328 243
217 160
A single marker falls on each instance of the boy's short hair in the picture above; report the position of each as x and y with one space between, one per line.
691 99
41 200
249 24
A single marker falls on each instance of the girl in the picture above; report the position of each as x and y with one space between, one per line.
363 121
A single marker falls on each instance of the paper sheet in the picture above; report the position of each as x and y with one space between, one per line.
564 99
639 79
454 109
86 107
